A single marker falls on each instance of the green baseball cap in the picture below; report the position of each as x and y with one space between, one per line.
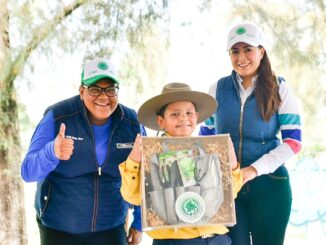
97 69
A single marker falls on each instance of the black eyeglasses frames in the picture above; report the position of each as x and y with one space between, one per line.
97 91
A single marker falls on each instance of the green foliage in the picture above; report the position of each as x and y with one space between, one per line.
101 26
312 151
119 23
143 67
98 28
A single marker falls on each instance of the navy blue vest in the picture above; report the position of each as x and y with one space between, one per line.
74 197
258 137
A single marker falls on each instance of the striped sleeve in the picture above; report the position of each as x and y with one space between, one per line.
289 119
207 127
290 127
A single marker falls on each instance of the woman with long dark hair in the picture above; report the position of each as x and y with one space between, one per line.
254 105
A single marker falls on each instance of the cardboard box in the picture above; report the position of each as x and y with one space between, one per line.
186 181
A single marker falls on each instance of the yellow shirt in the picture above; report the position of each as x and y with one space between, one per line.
130 191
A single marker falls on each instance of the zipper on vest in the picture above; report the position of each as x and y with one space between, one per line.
240 131
95 203
108 153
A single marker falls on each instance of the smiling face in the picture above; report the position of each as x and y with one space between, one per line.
179 119
101 107
246 59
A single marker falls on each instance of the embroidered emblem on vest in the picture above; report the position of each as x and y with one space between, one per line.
74 138
125 145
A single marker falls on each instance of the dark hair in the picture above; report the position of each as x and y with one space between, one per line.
163 109
267 89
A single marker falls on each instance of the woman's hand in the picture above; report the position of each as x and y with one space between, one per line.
134 237
249 173
136 152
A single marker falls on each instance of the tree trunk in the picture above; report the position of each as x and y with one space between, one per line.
12 212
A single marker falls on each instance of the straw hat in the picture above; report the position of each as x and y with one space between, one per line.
205 104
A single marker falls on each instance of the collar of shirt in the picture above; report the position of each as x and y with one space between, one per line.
245 93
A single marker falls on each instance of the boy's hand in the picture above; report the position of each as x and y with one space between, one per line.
136 152
233 159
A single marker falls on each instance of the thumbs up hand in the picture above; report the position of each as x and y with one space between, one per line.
63 148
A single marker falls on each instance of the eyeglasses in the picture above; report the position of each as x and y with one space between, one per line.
97 91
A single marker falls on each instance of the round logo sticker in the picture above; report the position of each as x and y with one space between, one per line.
102 66
241 30
190 207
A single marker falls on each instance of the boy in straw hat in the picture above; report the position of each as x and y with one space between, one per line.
176 111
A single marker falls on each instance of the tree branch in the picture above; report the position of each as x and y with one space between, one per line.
4 38
39 35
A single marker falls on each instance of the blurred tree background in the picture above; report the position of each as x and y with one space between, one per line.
153 42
